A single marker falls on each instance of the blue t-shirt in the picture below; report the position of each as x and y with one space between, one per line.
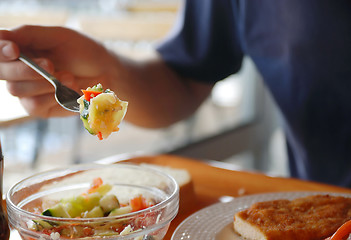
302 48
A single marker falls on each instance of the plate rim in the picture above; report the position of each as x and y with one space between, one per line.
268 195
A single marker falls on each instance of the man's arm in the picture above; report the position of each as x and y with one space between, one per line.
157 96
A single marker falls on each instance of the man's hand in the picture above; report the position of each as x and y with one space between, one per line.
76 60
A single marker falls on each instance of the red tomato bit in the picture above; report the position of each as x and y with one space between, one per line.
99 135
89 94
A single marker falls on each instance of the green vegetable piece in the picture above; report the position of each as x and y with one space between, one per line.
39 225
77 202
74 210
57 211
85 113
87 126
91 200
120 211
98 87
103 189
94 213
109 202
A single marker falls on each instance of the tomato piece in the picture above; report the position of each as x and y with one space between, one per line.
138 203
97 182
47 231
342 231
89 94
88 231
99 135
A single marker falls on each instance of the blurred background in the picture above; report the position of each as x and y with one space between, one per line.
238 126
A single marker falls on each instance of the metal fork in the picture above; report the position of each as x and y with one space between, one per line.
65 96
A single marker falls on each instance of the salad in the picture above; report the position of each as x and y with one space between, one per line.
96 202
101 111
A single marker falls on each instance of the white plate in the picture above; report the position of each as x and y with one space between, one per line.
216 221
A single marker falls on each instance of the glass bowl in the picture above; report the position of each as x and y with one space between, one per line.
28 198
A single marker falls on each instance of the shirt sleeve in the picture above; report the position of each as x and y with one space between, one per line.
204 44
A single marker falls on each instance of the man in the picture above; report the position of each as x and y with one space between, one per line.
301 48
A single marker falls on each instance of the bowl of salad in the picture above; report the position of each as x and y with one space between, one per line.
96 201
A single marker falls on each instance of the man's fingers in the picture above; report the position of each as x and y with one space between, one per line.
67 79
29 88
8 51
38 37
43 106
17 70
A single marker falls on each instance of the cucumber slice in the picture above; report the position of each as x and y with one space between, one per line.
94 213
77 202
120 211
39 225
109 202
91 200
103 189
57 211
77 205
84 114
87 126
73 210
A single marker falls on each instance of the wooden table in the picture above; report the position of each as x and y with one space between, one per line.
211 183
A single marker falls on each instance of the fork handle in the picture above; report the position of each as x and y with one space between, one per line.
39 70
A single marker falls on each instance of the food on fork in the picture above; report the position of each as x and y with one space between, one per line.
101 111
309 218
